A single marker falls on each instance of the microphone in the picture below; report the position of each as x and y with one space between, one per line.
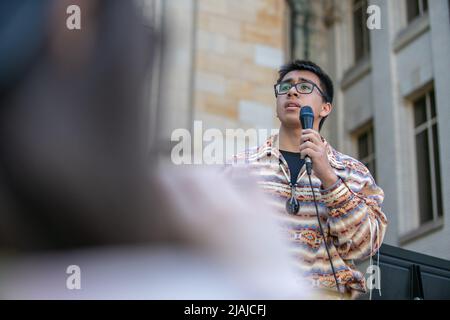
307 120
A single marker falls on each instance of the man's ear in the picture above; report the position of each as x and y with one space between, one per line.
326 109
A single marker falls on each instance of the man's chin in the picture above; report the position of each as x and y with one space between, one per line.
291 122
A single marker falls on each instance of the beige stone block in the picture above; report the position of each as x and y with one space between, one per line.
244 10
219 24
211 42
239 89
272 7
216 122
210 82
216 105
219 7
256 33
264 94
269 20
258 74
224 65
249 90
244 51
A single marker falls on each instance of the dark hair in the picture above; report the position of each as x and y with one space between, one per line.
325 81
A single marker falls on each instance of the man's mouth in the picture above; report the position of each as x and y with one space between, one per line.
292 106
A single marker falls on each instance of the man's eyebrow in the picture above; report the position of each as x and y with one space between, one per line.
288 80
301 79
307 80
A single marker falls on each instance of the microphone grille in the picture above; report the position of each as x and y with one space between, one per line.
306 111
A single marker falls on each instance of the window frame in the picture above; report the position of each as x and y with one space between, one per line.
437 222
367 128
421 12
365 38
370 158
428 127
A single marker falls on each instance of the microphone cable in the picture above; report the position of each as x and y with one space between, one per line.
324 239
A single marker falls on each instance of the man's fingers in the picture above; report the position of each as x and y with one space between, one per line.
308 152
306 131
309 145
310 136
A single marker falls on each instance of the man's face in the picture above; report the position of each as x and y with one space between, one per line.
289 104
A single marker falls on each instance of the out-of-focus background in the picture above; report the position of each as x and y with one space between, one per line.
391 106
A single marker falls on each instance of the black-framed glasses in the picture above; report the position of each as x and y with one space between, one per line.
303 87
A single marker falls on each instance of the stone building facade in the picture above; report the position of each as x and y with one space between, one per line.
219 61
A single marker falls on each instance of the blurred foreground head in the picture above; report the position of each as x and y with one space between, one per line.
73 147
76 171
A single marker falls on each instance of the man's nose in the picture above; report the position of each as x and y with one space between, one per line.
292 92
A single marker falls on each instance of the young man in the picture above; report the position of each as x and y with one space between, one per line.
348 200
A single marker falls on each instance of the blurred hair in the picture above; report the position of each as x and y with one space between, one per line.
73 130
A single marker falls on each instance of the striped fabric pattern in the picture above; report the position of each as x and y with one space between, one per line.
350 214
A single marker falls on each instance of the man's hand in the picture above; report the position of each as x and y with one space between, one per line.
311 145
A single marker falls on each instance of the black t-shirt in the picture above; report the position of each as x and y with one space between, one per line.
294 162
